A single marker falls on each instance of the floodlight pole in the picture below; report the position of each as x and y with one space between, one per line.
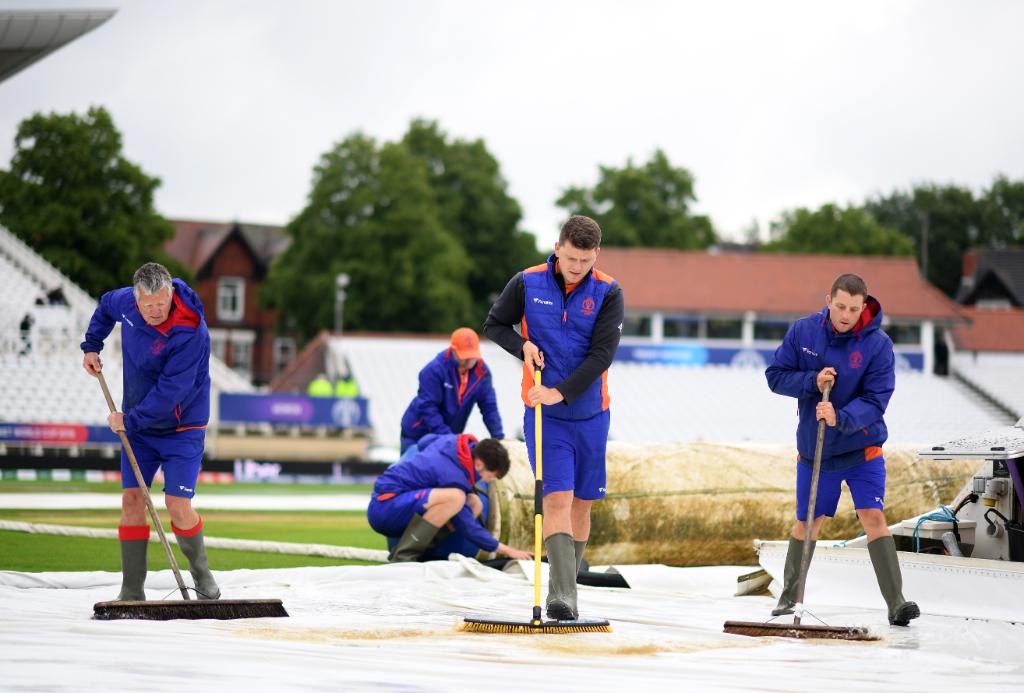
340 283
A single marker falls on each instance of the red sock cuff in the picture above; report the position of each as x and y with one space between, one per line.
133 532
188 532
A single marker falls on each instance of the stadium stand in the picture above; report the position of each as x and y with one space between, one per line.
661 403
41 376
999 375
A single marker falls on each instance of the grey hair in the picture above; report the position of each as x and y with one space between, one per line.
151 278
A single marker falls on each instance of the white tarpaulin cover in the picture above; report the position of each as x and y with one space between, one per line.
393 627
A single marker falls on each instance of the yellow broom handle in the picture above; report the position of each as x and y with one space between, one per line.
538 504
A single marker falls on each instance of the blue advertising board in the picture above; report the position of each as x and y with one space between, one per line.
294 409
56 434
751 357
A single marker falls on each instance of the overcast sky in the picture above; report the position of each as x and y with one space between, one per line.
770 105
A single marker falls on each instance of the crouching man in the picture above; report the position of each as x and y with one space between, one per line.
433 490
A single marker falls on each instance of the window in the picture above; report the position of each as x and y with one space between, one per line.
219 343
241 351
725 328
230 299
681 327
284 352
770 330
636 326
904 333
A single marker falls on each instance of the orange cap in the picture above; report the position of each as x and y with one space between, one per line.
465 343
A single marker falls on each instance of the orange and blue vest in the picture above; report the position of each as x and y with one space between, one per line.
562 326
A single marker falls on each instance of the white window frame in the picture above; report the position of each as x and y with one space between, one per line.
241 343
230 290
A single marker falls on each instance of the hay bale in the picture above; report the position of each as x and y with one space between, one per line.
703 504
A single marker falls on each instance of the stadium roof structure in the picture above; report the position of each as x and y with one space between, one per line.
768 283
27 36
992 329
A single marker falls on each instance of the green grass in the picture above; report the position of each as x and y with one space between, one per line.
36 553
204 489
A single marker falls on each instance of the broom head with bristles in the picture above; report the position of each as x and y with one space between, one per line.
222 609
585 625
791 630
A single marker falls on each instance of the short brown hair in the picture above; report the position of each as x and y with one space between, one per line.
851 284
493 454
582 232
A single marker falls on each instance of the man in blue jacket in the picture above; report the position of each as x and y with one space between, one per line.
845 346
415 498
450 385
165 349
570 316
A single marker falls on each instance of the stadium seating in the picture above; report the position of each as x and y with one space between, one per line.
652 403
41 376
1001 375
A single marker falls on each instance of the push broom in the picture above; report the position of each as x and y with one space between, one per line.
536 624
166 610
797 629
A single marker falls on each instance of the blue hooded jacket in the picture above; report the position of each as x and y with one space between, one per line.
439 407
443 461
166 368
865 379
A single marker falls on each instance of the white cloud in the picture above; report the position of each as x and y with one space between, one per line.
770 105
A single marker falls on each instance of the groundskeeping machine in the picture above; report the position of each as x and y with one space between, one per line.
962 559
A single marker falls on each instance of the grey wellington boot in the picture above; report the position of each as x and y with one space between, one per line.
791 576
561 600
133 569
581 546
415 539
890 581
194 549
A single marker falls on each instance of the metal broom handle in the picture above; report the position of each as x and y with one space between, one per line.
538 505
145 491
805 558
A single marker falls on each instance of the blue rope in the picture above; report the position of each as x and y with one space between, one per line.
943 514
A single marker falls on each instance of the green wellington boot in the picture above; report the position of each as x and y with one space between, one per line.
562 567
581 546
791 576
194 549
415 540
890 581
134 553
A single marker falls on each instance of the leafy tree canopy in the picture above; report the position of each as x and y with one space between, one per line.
373 215
646 206
74 198
834 230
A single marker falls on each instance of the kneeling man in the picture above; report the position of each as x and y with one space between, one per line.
416 498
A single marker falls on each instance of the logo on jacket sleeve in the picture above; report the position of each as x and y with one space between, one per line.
588 306
856 360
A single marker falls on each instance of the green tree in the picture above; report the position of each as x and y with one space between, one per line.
646 206
372 215
1002 211
942 222
834 230
475 207
73 197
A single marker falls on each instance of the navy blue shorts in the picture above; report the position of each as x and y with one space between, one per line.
390 517
574 453
866 482
180 455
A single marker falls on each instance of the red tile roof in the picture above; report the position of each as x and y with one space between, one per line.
195 242
991 330
767 283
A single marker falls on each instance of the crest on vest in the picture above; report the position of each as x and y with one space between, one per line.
588 306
